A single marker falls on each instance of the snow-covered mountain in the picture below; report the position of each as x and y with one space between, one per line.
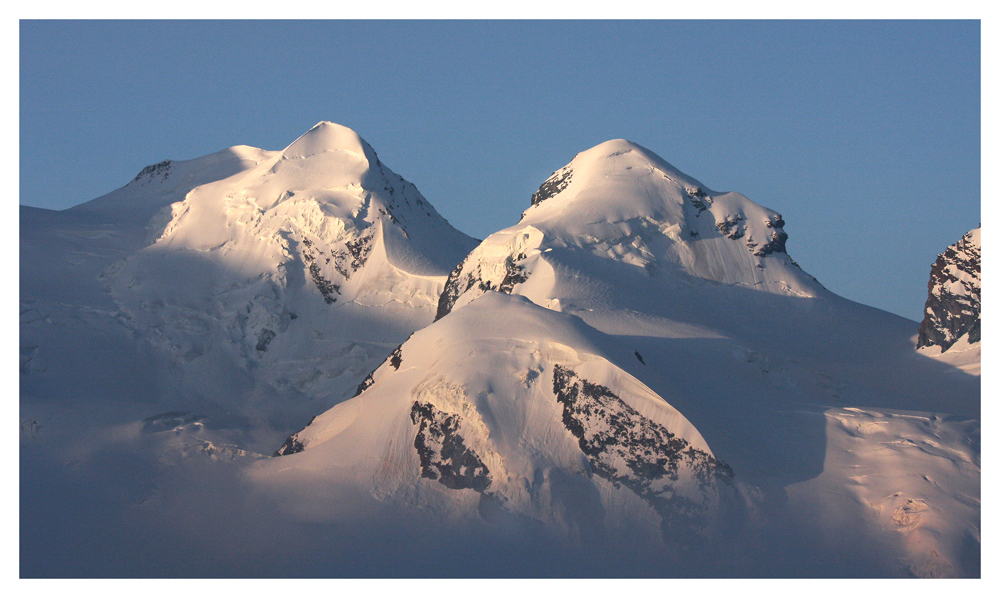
618 203
265 284
668 359
525 425
950 329
634 380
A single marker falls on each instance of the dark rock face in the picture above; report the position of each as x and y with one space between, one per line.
396 357
953 306
442 451
325 286
731 226
365 384
359 250
559 180
264 338
452 290
161 170
514 274
611 433
459 282
697 197
774 244
776 238
290 447
292 444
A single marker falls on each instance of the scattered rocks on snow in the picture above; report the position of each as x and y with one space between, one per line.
359 249
326 288
775 244
731 227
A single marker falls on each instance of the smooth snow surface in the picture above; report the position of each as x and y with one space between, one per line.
634 380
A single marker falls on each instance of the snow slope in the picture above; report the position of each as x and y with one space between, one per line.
259 284
634 380
522 439
844 452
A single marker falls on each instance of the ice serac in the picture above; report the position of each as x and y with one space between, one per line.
269 280
621 203
952 311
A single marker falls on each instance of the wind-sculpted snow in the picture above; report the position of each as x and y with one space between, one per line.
953 305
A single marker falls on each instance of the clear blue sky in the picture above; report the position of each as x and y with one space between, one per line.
864 135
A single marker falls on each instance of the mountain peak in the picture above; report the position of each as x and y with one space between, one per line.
616 155
612 160
326 136
613 146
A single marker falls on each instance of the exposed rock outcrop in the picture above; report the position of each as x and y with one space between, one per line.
953 307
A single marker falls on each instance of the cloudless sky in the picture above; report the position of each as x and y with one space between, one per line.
865 135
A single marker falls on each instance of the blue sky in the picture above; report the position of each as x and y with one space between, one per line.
865 135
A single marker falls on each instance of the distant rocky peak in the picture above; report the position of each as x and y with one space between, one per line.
952 310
